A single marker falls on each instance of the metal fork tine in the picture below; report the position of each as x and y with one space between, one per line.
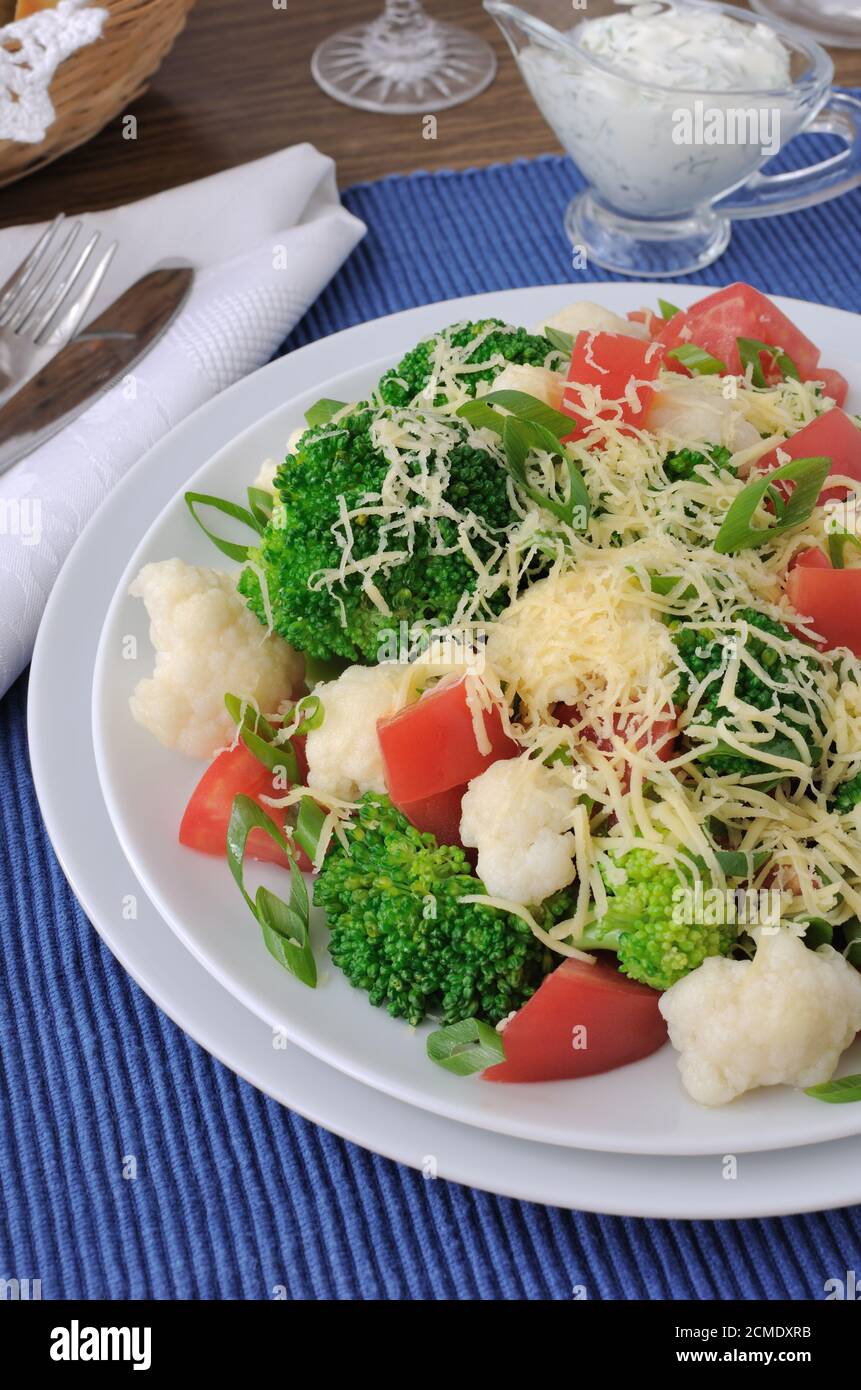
19 278
47 304
31 296
70 320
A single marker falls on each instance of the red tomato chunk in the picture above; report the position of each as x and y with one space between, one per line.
740 311
431 746
233 773
832 435
830 599
611 361
583 1019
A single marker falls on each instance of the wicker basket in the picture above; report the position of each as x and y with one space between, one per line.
100 81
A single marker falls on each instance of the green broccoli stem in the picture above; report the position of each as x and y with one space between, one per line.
597 937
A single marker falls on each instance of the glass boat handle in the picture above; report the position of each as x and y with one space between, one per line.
765 194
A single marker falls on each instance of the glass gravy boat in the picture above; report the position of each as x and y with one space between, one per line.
656 205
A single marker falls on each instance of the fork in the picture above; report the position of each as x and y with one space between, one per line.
44 301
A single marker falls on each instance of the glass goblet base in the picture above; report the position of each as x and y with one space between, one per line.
374 69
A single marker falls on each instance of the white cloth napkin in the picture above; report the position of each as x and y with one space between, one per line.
266 237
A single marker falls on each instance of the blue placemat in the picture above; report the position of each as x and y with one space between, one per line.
239 1195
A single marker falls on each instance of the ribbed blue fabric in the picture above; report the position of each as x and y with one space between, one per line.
240 1195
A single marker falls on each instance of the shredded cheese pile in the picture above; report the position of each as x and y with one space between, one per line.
596 633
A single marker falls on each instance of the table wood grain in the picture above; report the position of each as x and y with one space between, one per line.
238 86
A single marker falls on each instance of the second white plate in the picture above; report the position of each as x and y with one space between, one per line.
639 1109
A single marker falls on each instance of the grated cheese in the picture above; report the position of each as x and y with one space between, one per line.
593 635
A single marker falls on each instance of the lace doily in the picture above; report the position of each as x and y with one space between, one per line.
31 50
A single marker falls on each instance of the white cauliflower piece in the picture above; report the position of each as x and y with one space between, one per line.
584 316
545 385
344 754
207 644
265 479
784 1017
517 814
691 411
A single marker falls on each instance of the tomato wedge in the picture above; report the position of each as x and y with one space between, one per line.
830 599
813 559
835 383
611 362
235 772
739 311
652 322
438 814
832 435
583 1019
430 746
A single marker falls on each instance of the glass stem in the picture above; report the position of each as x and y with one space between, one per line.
403 15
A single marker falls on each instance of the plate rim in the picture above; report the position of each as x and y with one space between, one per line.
40 731
461 1111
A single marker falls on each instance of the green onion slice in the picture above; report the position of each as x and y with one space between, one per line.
525 407
735 863
737 533
231 549
322 411
668 310
749 350
563 342
285 925
311 707
519 438
309 826
467 1047
259 738
697 360
852 934
481 416
818 932
842 1092
261 502
837 543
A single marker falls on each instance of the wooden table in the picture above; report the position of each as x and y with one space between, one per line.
238 86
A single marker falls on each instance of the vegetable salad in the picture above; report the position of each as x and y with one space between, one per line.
556 692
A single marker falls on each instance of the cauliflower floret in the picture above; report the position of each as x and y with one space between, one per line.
207 645
787 1016
584 316
265 479
344 754
517 814
692 411
545 385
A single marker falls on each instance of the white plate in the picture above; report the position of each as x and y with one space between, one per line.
638 1109
77 820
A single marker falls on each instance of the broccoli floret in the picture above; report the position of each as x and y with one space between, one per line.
646 925
341 462
406 381
847 796
682 465
399 933
703 652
